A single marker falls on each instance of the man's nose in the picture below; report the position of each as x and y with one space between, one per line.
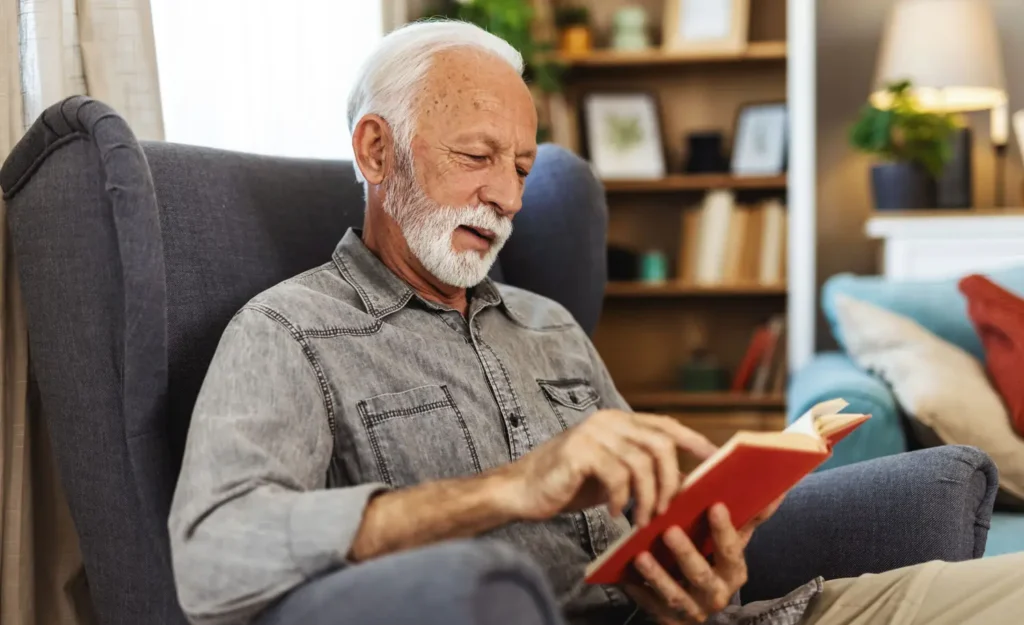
504 191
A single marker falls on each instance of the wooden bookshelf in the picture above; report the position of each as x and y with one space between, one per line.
649 332
755 51
695 182
655 400
682 289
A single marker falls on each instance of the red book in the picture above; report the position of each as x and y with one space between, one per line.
745 373
746 474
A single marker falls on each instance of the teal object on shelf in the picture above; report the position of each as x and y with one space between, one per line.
653 267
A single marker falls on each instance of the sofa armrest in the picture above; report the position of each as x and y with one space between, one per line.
833 374
932 504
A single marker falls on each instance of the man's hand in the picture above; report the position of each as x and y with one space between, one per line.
608 458
706 587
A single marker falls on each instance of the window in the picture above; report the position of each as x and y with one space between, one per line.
264 76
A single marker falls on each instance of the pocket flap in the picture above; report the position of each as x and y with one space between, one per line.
575 394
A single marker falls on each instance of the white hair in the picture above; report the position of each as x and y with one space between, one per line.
389 80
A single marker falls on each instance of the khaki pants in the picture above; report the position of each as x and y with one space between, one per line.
989 591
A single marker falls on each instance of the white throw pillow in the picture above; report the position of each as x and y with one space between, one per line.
935 382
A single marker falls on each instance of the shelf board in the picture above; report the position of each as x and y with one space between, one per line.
681 289
680 399
694 182
755 51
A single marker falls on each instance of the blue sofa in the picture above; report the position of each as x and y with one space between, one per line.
938 306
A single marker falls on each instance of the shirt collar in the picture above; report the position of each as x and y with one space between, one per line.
381 291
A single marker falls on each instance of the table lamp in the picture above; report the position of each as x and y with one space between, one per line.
949 50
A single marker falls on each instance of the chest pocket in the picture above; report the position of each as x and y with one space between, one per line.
572 400
418 435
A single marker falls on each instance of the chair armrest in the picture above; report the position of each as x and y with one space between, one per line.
833 374
453 583
932 504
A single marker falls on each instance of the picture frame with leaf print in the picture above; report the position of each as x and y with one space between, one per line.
622 135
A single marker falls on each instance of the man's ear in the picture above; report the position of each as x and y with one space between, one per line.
373 148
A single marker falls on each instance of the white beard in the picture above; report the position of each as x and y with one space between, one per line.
428 228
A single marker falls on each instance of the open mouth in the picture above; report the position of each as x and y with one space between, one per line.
480 233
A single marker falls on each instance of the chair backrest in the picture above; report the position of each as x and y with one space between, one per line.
132 259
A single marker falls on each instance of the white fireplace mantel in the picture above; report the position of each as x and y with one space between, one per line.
938 244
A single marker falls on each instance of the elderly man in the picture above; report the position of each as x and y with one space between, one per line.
395 397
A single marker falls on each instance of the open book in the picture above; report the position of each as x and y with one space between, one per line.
746 474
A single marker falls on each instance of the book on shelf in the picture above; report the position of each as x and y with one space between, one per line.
763 368
747 474
725 243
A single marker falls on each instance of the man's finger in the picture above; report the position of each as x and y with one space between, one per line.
641 468
672 594
729 561
662 450
684 438
612 474
697 570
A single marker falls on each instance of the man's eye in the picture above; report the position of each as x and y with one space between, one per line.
479 158
522 172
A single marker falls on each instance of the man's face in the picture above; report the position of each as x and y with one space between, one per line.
473 144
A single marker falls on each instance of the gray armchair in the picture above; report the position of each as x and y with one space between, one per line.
133 258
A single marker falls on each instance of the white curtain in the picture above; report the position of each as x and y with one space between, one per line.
50 49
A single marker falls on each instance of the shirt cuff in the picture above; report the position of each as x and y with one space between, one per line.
323 524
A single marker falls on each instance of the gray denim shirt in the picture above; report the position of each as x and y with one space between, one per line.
342 382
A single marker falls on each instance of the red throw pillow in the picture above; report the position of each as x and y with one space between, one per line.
998 316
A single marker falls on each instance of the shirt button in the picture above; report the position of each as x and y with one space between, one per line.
572 397
514 419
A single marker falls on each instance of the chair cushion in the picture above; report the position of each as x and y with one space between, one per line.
938 384
998 316
936 305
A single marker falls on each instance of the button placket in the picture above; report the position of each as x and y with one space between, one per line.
501 386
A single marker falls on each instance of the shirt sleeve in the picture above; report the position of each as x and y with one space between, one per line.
251 517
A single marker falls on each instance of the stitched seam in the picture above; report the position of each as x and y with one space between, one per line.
347 274
558 413
335 331
37 162
552 328
465 430
307 350
592 397
378 455
512 391
401 304
381 417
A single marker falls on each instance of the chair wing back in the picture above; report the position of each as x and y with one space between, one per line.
132 260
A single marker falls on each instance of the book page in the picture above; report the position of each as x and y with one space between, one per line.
807 423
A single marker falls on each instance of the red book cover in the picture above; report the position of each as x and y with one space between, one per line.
747 474
745 373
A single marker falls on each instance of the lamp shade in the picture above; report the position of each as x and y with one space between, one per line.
948 49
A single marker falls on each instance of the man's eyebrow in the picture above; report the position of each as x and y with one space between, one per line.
494 144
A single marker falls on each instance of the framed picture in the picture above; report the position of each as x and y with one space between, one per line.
706 25
623 134
760 145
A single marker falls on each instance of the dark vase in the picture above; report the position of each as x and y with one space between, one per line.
900 185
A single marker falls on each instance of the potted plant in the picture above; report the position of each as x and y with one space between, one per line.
573 24
915 145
